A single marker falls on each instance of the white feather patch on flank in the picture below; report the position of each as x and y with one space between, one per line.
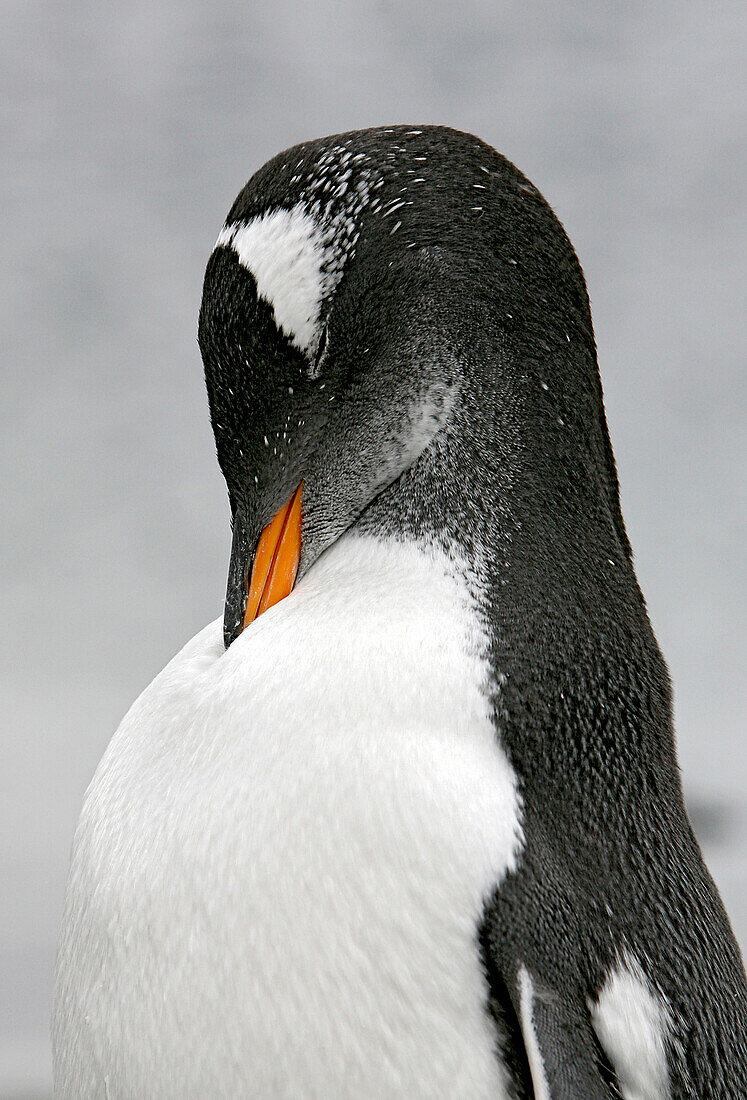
632 1022
534 1054
285 250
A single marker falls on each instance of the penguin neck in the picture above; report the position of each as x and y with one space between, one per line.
521 483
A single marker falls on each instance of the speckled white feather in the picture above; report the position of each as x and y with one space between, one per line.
632 1023
284 854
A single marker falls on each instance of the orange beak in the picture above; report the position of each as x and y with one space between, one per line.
276 560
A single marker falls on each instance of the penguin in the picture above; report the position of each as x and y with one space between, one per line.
408 822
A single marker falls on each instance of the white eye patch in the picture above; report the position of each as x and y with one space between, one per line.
287 254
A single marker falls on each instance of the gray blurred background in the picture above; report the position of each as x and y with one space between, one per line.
128 129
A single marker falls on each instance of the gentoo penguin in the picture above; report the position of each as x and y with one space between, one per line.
410 825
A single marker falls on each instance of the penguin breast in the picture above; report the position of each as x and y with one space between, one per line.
285 852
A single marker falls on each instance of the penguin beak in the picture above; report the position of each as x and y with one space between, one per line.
276 559
273 571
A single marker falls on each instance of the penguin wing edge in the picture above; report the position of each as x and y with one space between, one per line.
561 1048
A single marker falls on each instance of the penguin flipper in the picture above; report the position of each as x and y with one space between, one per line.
562 1052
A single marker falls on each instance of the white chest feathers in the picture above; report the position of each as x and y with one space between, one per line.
284 854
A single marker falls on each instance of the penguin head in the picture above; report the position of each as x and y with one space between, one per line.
329 326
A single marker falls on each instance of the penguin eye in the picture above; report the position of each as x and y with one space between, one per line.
321 351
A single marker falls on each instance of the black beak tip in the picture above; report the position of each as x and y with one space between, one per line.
236 592
231 627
